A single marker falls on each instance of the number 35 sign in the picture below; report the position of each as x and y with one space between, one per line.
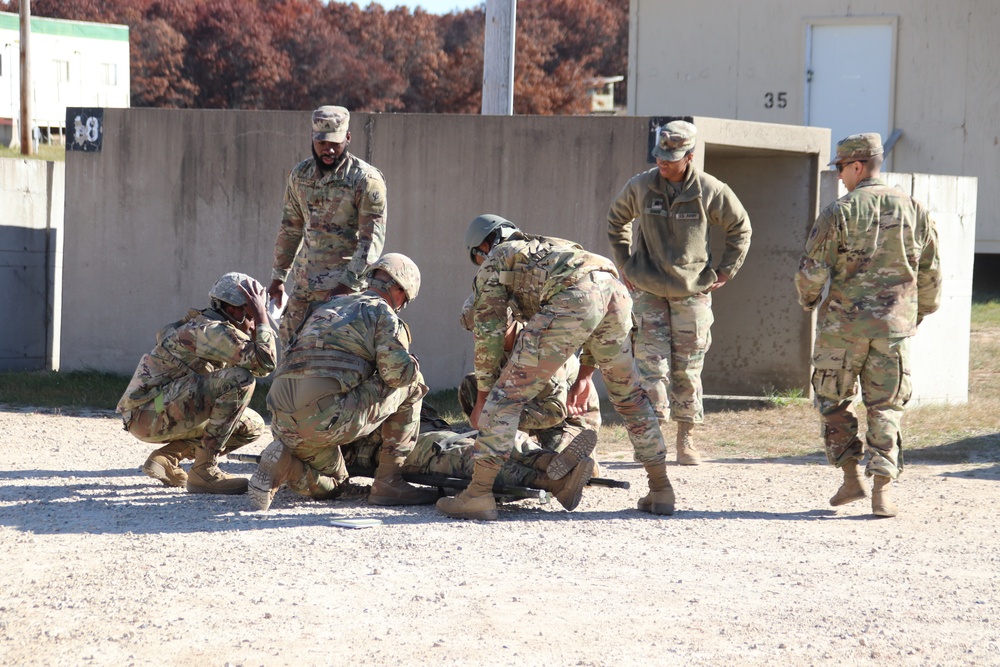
84 129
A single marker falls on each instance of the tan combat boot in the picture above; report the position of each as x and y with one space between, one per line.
389 487
277 466
853 488
687 455
476 501
660 499
205 476
882 504
164 463
568 490
578 449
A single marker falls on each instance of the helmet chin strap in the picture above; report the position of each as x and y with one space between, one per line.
383 287
225 311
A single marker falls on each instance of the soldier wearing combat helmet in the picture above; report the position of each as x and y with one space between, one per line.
332 222
572 299
347 372
875 253
191 392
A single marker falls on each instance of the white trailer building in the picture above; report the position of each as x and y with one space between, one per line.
924 70
73 64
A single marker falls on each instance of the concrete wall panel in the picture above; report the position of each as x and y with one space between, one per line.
178 197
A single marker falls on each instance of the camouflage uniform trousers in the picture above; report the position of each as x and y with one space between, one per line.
316 431
672 337
883 367
198 406
545 416
595 315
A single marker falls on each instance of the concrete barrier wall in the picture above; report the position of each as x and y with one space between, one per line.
177 197
31 217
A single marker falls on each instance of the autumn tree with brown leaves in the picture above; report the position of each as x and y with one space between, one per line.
299 54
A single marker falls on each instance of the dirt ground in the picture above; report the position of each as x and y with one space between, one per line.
101 566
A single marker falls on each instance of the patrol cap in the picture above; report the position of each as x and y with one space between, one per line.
330 124
227 288
858 147
674 140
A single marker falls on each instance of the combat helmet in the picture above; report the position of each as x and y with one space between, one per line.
227 288
402 269
482 227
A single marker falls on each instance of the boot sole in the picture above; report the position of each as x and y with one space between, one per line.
580 448
259 487
260 499
582 473
159 473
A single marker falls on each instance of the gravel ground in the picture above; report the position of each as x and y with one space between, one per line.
101 566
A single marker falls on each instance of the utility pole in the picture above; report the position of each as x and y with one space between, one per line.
498 58
27 145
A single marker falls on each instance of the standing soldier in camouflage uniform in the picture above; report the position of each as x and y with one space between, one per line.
347 372
659 232
545 417
569 299
192 391
875 249
332 222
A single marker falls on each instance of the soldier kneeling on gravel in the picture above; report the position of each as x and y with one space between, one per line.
347 372
192 390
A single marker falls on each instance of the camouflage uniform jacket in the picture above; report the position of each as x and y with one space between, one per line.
522 274
350 338
664 248
876 247
334 221
201 343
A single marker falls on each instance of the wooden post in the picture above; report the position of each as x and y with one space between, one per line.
27 145
498 57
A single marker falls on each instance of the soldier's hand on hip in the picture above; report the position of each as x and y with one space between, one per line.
720 280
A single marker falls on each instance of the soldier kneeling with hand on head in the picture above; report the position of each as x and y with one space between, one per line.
192 390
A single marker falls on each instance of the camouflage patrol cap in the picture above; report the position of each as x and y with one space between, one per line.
330 124
674 140
402 269
858 147
227 289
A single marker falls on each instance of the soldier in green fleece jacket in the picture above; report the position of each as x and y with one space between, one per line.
658 227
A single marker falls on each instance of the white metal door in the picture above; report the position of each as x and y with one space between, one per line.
849 78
